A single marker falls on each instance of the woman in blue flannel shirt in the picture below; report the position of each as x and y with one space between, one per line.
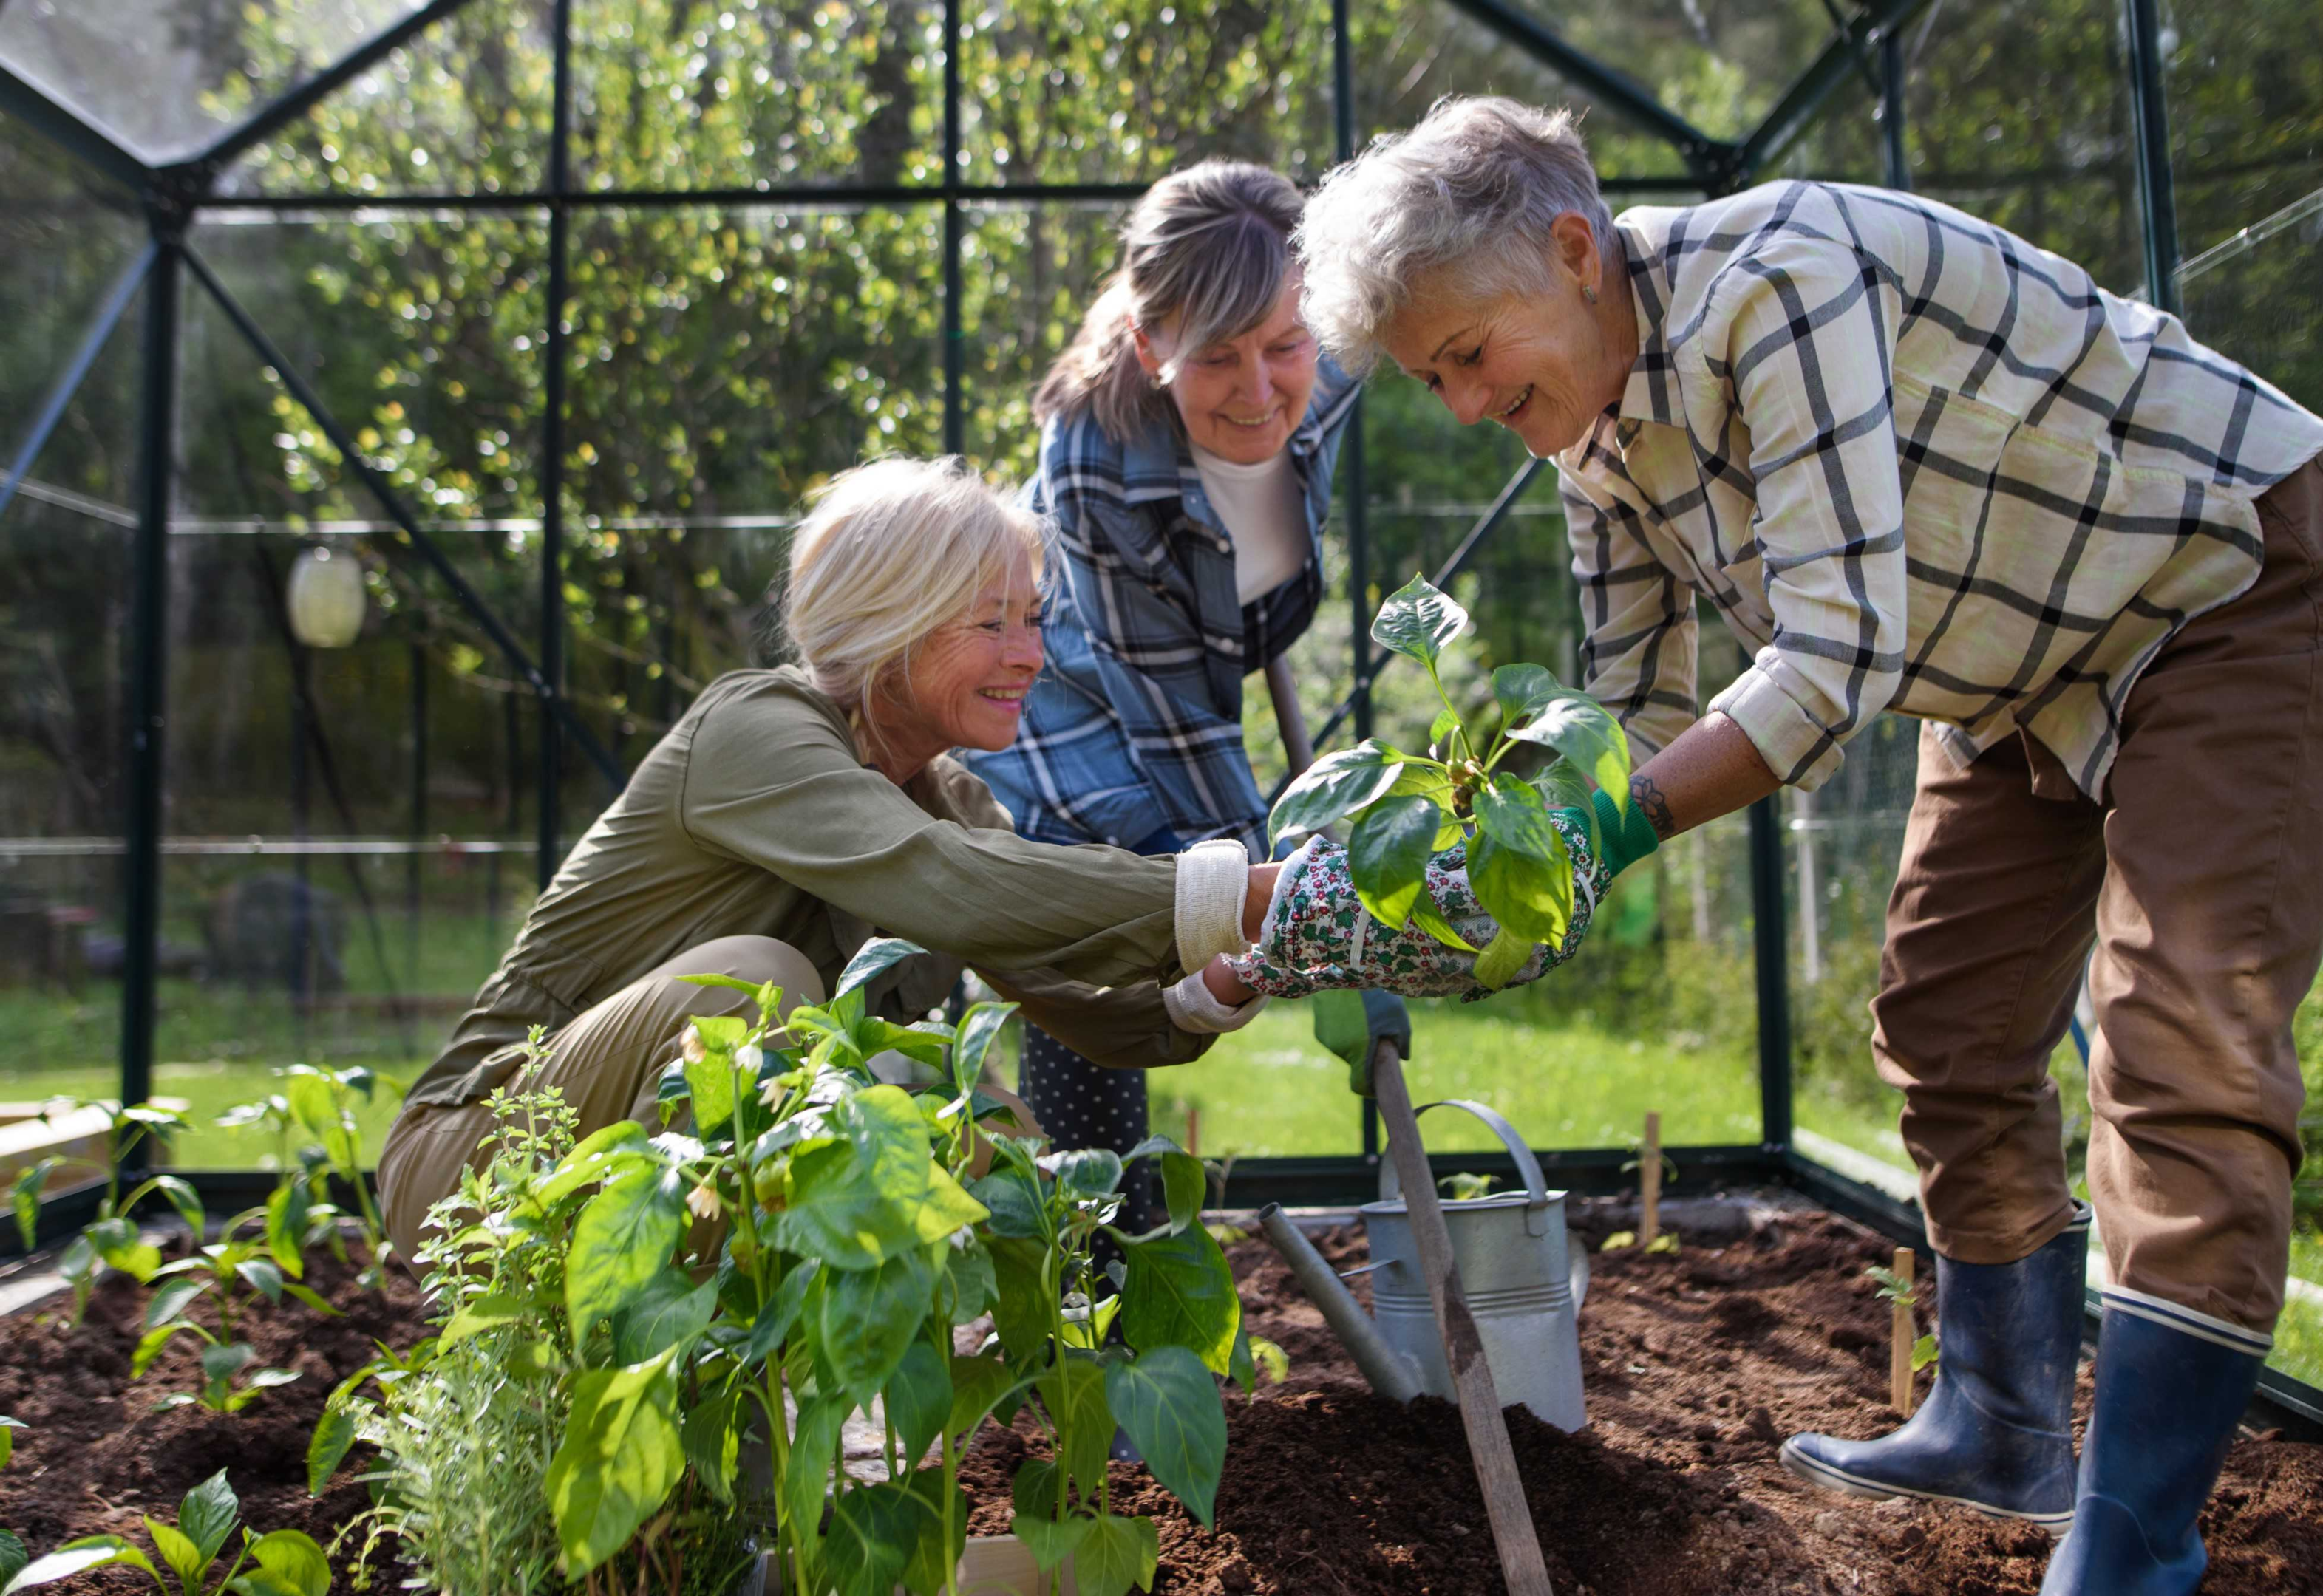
1186 437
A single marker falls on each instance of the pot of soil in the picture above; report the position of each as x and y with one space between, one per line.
1524 1284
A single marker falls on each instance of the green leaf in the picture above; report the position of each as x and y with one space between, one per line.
206 1514
1181 1293
781 1311
1502 958
623 1239
1022 1315
671 1311
978 1384
1388 853
1117 1554
919 1397
494 1311
334 1433
974 1286
1084 1172
96 1551
181 1196
621 1457
12 1558
1428 918
118 1243
874 1192
1510 811
25 1196
150 1345
1270 1358
1074 1394
980 1027
294 1560
287 1207
1033 1494
1563 786
934 1555
814 1445
1530 898
223 1362
594 1157
1579 729
713 1444
710 1084
863 1320
1168 1403
1418 619
8 1428
262 1277
1334 785
170 1300
1521 690
1013 1196
182 1557
1184 1186
878 954
873 1528
311 1104
1923 1352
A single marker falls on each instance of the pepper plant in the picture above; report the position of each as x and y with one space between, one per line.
284 1562
265 1263
319 1106
1406 808
112 1239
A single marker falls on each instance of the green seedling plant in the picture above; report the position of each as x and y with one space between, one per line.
320 1108
112 1239
284 1562
1465 1187
1405 808
227 1273
1892 1289
12 1556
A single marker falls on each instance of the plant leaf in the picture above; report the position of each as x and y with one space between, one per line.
1169 1404
813 1446
294 1560
1530 898
12 1558
1334 785
223 1362
1034 1496
710 1084
171 1298
25 1196
1512 813
334 1433
978 1384
116 1242
1418 619
262 1277
1117 1554
1013 1196
182 1557
623 1239
980 1027
1181 1293
974 1286
1084 1171
1502 958
1520 689
484 1313
878 954
781 1310
1923 1352
918 1396
621 1457
863 1320
150 1346
1184 1186
96 1551
1074 1394
206 1514
670 1311
1579 729
1021 1316
1563 786
1388 853
874 1191
712 1444
287 1207
933 1555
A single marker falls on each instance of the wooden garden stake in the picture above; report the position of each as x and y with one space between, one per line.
1463 1349
1194 1131
1649 1183
1899 1352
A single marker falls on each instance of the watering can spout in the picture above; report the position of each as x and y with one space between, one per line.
1390 1375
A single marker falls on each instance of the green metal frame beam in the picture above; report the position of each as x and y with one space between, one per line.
1803 104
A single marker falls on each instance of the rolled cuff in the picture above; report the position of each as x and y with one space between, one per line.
1193 1006
1794 745
1213 877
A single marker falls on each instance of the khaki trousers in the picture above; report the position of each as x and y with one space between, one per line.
2200 885
608 1063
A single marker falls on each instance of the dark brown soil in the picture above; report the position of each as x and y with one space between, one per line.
94 1456
1698 1365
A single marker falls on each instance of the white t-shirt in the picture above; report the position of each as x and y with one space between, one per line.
1263 509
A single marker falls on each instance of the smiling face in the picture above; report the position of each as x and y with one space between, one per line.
1543 363
966 684
1241 398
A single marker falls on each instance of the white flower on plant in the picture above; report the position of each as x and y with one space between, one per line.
770 1092
748 1057
691 1044
961 1237
703 1202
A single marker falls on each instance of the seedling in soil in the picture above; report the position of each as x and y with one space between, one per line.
1407 808
285 1563
1896 1288
322 1106
112 1239
217 1272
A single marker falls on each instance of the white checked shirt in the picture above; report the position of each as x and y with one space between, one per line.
1916 463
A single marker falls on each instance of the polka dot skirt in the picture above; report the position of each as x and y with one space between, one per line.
1082 1105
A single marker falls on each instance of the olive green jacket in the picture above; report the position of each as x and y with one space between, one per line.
757 815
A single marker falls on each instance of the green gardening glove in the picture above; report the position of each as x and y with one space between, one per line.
1623 832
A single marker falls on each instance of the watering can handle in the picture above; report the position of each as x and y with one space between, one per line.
1527 1166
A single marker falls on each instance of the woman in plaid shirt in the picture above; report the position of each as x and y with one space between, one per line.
1186 437
1915 463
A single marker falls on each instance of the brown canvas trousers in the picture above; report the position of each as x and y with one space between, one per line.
2198 883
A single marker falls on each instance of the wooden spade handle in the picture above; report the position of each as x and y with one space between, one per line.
1463 1349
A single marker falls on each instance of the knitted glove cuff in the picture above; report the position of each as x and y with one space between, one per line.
1213 878
1628 835
1192 1006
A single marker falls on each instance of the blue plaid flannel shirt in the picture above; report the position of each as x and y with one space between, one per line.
1132 735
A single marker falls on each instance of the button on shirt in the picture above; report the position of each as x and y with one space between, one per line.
1133 730
1915 463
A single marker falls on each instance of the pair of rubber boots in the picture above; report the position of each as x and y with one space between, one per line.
1995 1432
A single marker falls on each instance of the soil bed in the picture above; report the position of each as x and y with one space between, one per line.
1697 1364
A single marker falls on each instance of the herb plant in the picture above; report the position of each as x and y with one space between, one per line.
285 1563
1406 808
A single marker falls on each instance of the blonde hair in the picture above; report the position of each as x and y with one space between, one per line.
1212 243
1474 190
890 552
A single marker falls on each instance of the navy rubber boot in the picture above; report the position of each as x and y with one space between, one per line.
2171 1386
1997 1432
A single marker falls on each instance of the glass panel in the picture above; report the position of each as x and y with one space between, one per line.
2246 117
66 541
165 80
2021 115
463 108
747 93
349 840
1403 65
1846 144
1028 274
1061 91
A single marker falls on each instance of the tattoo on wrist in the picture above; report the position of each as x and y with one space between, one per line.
1655 807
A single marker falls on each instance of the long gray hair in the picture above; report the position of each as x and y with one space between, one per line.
1211 243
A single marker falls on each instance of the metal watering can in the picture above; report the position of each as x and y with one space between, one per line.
1524 1285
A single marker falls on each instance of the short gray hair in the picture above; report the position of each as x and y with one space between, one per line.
1210 243
1477 187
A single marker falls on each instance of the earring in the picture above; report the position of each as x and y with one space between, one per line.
1589 293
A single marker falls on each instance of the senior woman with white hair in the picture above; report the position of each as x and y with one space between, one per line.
794 813
1916 463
